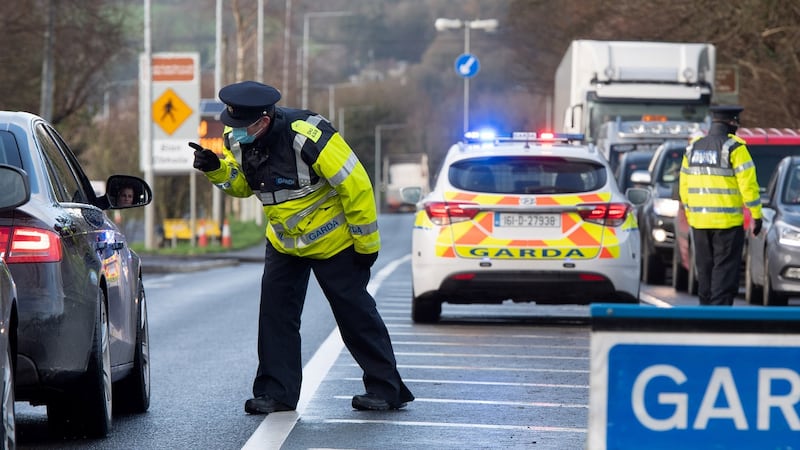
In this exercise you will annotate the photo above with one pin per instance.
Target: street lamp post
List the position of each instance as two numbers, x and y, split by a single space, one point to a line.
488 25
377 182
306 18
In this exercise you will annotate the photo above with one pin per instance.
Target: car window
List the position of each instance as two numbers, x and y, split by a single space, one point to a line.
527 175
9 151
63 179
791 190
767 157
630 163
671 167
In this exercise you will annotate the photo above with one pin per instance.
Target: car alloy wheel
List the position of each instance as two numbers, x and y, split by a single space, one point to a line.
753 293
8 429
86 410
132 394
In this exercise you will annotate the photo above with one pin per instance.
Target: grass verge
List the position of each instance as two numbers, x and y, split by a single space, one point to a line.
243 235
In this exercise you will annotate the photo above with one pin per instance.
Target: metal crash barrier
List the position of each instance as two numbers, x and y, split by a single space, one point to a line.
694 377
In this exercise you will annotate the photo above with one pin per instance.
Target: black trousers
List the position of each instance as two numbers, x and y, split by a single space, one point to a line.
283 293
718 255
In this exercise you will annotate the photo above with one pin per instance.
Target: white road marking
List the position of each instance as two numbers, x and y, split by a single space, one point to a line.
488 383
488 402
460 425
647 298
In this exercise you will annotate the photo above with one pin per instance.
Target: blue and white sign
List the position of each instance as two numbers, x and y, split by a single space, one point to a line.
467 65
694 390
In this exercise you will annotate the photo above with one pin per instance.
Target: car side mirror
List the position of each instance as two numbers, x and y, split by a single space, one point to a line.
641 177
637 196
15 188
411 194
125 191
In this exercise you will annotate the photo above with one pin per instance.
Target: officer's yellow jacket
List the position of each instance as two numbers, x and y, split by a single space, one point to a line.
317 197
718 179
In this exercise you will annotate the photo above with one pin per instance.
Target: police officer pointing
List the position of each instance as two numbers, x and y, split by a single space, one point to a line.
321 216
718 179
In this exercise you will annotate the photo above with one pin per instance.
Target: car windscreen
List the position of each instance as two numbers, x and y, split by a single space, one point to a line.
527 175
791 188
670 168
767 157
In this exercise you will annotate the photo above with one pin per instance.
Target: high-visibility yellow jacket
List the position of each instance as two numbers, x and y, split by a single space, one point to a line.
317 197
718 179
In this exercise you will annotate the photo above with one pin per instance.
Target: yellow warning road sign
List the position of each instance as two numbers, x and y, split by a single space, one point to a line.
169 111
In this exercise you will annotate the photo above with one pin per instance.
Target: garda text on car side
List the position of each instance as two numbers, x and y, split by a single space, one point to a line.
528 218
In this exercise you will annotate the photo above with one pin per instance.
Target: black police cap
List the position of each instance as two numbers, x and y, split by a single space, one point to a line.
726 112
246 102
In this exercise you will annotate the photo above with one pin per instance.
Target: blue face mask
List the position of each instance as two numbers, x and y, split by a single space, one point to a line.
241 136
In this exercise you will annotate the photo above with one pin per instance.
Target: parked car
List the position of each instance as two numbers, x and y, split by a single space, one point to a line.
525 218
82 316
14 191
772 268
657 215
767 147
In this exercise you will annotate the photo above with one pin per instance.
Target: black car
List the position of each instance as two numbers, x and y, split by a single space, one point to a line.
14 191
772 262
630 163
82 317
657 216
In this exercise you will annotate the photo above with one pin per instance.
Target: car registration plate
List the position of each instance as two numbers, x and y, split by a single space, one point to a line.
527 220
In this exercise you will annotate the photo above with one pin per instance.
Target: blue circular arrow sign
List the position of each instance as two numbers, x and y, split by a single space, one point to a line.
467 65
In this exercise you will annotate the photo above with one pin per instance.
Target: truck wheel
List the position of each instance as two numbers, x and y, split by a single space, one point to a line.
679 274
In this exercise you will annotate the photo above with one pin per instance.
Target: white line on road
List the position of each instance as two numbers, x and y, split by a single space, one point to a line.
489 402
276 427
460 425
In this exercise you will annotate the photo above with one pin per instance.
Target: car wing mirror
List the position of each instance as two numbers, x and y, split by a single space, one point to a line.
15 188
637 196
641 177
125 191
411 194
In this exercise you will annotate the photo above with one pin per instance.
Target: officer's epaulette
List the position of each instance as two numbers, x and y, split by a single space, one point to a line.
737 139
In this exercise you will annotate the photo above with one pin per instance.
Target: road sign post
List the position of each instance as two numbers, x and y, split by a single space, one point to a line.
694 377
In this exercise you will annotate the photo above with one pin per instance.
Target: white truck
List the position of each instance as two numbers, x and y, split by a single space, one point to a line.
617 137
603 81
400 171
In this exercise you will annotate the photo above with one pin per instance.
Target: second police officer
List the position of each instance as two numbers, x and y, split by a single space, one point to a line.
718 180
321 217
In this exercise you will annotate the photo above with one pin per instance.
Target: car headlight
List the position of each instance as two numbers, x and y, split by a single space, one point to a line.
788 234
665 207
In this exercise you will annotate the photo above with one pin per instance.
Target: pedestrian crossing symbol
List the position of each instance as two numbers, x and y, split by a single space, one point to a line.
169 111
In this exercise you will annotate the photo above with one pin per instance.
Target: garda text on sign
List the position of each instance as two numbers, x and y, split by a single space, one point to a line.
694 389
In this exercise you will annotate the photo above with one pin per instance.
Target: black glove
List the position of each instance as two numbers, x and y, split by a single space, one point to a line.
366 259
204 159
756 226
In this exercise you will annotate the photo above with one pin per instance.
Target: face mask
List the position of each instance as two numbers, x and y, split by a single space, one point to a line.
241 136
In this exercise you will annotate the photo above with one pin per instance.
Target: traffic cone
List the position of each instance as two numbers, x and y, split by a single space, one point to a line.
202 239
226 234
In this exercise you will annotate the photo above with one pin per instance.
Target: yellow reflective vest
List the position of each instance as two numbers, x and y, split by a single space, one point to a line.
718 179
317 196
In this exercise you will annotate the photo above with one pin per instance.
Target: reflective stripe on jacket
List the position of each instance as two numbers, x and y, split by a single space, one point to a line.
718 179
317 196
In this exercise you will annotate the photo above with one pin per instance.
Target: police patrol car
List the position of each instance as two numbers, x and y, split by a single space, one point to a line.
528 218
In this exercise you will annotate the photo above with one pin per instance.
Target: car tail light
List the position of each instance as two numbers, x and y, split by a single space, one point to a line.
609 214
445 213
29 245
